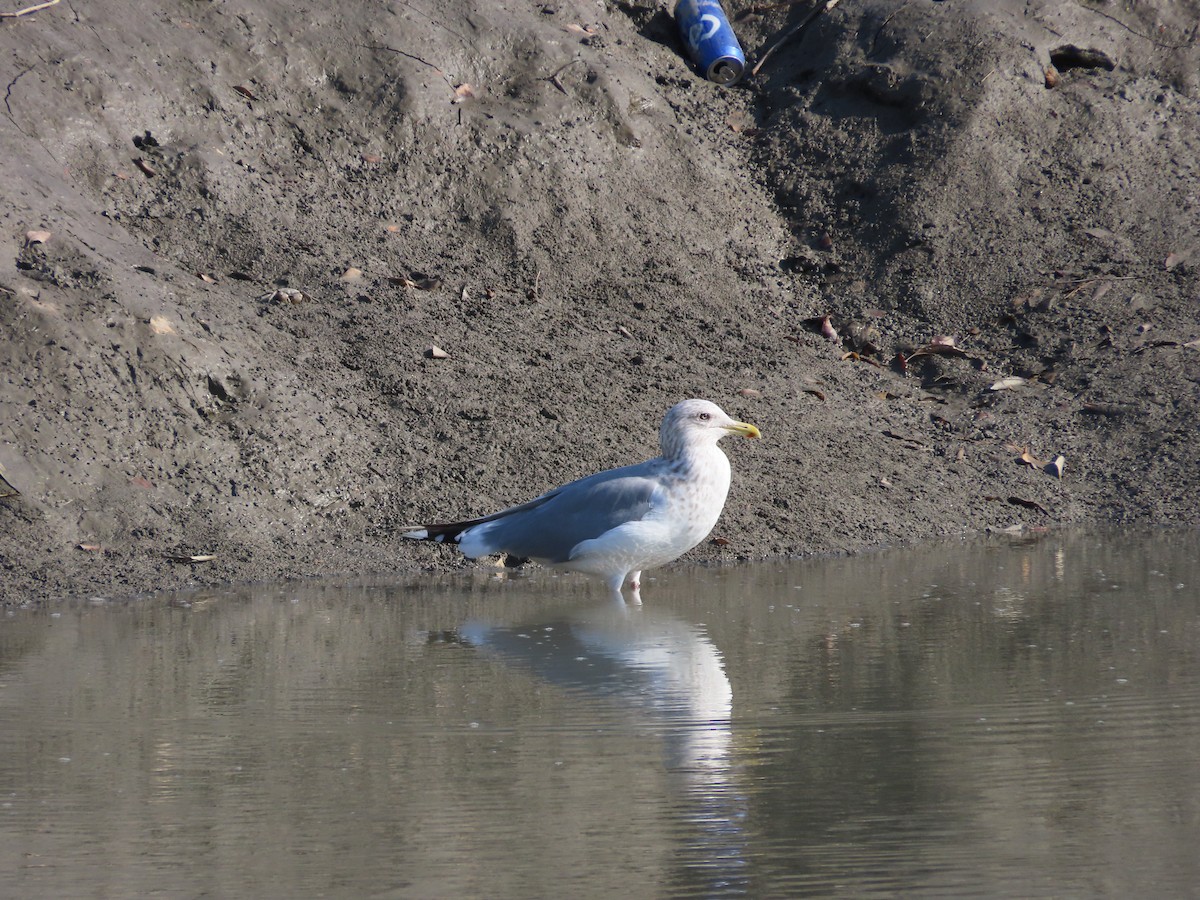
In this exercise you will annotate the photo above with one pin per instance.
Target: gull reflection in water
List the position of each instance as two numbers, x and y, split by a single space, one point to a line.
667 675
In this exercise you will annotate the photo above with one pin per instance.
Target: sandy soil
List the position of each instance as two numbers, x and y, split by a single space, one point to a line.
258 217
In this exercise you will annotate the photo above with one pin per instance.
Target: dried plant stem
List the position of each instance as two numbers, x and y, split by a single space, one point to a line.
792 32
27 10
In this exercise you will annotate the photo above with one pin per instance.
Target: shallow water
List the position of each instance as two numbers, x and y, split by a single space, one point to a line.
1007 719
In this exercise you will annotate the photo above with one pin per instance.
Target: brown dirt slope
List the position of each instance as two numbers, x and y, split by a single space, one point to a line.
591 232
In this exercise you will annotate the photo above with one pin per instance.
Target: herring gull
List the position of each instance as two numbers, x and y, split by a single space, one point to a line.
616 523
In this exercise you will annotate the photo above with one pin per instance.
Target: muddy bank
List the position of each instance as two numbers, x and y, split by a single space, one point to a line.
261 216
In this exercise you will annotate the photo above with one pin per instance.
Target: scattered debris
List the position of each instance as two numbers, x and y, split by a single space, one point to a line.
1024 456
940 345
193 558
1052 77
27 10
436 352
351 274
6 489
863 337
245 91
858 357
738 121
463 93
1028 504
284 295
624 332
420 282
161 325
147 169
1112 410
1055 466
829 332
750 393
912 442
36 237
1174 259
553 77
1011 383
825 7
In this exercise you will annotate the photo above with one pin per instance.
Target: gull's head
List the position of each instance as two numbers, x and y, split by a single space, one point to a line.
692 423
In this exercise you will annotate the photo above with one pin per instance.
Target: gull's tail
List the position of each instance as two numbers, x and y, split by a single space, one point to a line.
449 532
476 546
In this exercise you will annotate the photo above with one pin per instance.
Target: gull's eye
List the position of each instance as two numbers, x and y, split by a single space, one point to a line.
703 417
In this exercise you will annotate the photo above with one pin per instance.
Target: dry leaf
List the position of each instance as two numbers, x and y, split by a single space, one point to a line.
391 228
147 169
1030 460
436 352
463 92
579 29
940 346
36 237
6 489
1028 504
737 122
750 392
352 274
1056 467
624 332
139 481
161 325
1193 345
372 158
207 279
1052 77
91 548
1008 384
245 91
194 558
1174 259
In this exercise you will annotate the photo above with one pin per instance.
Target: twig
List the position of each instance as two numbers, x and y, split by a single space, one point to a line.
884 24
27 10
791 33
412 56
1160 44
553 78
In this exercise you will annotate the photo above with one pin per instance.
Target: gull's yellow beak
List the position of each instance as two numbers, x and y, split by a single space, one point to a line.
745 429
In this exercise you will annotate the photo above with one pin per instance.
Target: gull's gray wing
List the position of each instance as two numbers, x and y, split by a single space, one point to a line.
548 527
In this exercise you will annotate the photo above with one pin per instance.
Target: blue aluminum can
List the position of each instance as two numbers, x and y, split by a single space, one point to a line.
710 40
